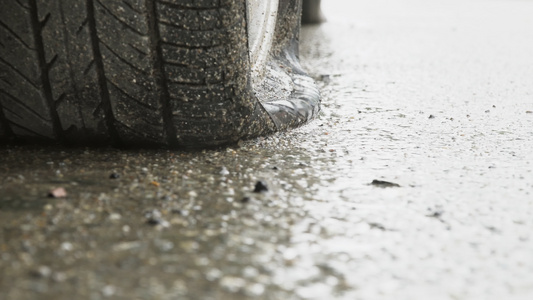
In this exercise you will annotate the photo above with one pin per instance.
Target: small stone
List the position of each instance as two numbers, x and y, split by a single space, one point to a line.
182 212
66 246
159 222
374 225
42 271
154 217
383 184
224 171
114 176
260 187
108 290
436 214
114 217
431 117
57 193
325 78
246 199
155 183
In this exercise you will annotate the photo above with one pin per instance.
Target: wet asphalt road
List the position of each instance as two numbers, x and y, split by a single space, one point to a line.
433 96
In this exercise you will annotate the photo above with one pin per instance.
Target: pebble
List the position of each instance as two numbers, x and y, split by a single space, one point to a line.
383 184
57 193
260 186
108 290
154 217
126 246
155 183
66 246
43 271
114 216
114 176
224 171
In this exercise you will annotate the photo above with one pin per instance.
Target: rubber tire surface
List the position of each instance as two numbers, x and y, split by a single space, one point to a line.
172 72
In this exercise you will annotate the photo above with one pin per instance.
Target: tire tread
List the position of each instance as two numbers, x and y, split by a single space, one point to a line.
133 71
23 96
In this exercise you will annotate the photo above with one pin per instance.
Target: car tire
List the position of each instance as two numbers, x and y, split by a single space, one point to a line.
175 73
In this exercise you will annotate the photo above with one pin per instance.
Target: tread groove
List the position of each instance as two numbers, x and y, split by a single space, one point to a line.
175 64
134 131
159 73
13 124
88 69
83 24
123 59
15 35
129 96
190 84
184 28
97 109
18 72
22 5
51 63
184 7
138 50
60 99
120 20
197 86
45 20
102 81
21 103
191 47
43 67
131 7
6 81
13 112
5 123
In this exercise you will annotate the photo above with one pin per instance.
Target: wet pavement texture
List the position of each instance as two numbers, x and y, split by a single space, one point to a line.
415 181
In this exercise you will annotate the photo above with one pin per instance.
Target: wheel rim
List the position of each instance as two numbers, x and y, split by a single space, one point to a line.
262 16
